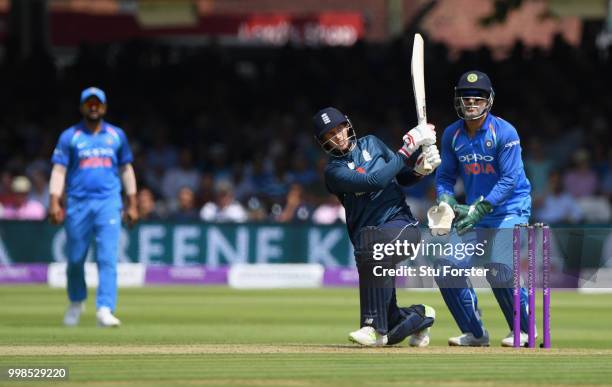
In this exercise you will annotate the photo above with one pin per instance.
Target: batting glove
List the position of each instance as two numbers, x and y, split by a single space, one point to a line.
431 156
423 134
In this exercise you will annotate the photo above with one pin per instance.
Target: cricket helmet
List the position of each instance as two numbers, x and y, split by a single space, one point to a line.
326 120
473 85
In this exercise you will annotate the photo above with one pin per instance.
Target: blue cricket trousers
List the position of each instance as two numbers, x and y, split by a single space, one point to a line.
87 219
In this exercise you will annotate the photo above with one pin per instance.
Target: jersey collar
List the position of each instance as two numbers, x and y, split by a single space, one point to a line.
486 125
85 129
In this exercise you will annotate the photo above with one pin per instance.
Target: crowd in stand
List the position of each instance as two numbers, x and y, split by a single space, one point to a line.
223 134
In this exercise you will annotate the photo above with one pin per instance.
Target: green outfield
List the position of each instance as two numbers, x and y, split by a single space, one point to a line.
220 336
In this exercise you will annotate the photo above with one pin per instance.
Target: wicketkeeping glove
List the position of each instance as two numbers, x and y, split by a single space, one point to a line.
440 219
470 215
449 199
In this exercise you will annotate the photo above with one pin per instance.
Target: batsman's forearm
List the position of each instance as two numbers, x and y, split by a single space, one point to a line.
57 181
128 178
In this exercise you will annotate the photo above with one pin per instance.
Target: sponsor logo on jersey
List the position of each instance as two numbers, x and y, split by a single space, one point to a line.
512 143
476 164
96 162
475 157
96 158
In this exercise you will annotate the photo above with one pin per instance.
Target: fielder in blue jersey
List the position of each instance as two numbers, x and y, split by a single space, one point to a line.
92 159
366 175
485 151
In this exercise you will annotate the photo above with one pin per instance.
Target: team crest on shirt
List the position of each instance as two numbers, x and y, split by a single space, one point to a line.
366 155
351 165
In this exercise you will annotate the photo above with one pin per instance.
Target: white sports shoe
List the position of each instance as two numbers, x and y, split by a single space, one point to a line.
368 336
420 339
468 340
73 314
508 341
106 319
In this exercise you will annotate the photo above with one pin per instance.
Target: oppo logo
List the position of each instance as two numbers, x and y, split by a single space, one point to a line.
475 157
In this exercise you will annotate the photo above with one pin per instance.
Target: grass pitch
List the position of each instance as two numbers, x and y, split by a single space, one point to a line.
220 336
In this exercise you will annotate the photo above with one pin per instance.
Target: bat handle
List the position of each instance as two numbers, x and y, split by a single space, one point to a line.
426 166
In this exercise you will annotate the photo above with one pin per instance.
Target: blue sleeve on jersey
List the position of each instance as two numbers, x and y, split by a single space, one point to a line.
405 177
61 153
446 174
510 166
342 179
387 153
124 153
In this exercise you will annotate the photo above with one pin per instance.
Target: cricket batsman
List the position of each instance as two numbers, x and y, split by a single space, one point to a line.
365 175
485 151
92 159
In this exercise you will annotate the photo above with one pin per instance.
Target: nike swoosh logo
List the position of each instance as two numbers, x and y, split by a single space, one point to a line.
459 147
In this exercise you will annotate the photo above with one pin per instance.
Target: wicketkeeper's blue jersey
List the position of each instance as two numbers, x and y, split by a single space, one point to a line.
365 182
490 165
92 160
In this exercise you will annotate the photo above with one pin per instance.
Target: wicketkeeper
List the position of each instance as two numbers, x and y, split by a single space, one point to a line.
485 151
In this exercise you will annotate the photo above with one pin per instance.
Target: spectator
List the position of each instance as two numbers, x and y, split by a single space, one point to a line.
225 208
162 155
186 209
256 210
147 206
186 175
606 185
40 185
23 208
206 190
581 180
301 172
296 208
6 193
555 205
538 167
329 212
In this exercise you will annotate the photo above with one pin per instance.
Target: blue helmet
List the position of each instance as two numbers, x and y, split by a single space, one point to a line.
473 85
326 120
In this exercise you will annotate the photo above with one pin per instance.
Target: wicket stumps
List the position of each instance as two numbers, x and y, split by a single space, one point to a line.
531 282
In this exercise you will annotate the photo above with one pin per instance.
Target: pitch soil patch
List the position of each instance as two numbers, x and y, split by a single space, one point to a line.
80 349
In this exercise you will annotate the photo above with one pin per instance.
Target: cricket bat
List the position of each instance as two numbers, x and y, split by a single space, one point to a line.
418 84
